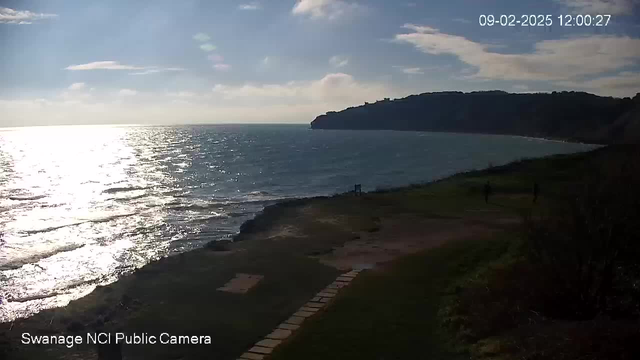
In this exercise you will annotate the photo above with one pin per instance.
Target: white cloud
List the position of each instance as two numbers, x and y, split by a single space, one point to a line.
77 86
127 92
216 58
250 6
626 83
114 65
222 67
327 9
338 61
201 37
103 65
413 70
610 7
23 17
295 102
561 59
337 87
182 94
207 47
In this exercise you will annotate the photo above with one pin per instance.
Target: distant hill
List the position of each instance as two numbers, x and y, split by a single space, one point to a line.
573 116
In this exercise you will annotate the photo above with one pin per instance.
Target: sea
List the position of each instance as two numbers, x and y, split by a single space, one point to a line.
81 206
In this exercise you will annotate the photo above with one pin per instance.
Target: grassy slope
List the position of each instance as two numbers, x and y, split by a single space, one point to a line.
393 313
397 312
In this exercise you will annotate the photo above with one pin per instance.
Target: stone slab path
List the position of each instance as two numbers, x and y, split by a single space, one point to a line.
264 347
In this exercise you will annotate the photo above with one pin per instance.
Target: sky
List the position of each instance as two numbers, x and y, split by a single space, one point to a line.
65 62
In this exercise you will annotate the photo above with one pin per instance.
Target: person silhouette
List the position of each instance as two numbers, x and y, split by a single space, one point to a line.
487 191
536 191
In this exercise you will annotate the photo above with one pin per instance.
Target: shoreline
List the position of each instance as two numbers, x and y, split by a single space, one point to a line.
549 139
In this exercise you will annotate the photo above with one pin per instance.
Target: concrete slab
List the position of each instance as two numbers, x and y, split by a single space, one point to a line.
314 305
241 283
325 294
295 320
304 308
288 326
279 334
261 350
304 314
270 343
251 356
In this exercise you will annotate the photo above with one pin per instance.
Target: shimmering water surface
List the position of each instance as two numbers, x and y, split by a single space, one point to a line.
80 206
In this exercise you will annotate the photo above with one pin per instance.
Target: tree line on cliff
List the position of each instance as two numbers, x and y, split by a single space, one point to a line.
572 116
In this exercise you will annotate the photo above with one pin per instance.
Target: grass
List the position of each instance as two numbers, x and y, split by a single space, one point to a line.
393 313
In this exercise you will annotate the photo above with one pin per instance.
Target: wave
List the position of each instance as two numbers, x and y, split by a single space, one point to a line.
51 228
132 198
109 218
125 189
27 198
95 221
217 204
18 263
259 193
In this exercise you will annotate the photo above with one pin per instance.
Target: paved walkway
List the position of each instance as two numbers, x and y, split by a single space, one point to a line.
264 347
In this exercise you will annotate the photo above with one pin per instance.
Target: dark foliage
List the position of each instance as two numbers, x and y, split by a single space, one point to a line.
574 290
561 115
590 246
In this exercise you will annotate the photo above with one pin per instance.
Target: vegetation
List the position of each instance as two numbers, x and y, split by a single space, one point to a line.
574 293
560 115
392 313
563 284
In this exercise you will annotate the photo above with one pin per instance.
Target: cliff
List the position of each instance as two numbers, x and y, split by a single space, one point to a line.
574 116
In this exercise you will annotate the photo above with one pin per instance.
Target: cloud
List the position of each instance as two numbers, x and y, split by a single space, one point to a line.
216 58
611 7
22 17
114 65
103 65
127 92
250 6
413 71
562 59
338 61
327 9
201 37
336 88
77 86
625 83
182 94
207 47
222 67
294 102
155 70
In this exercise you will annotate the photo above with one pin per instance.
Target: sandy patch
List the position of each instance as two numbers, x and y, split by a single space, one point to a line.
399 237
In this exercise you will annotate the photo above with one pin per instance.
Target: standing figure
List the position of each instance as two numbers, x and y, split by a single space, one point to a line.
536 191
487 191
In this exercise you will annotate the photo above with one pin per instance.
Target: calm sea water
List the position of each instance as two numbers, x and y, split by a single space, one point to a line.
80 206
